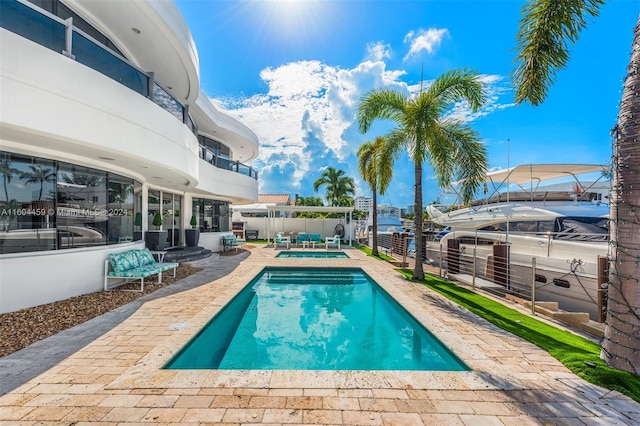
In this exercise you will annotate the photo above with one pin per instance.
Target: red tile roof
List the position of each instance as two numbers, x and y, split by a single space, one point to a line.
275 198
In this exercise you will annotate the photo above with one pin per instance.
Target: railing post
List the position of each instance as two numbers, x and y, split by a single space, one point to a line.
185 114
473 280
440 263
150 83
533 286
404 250
68 38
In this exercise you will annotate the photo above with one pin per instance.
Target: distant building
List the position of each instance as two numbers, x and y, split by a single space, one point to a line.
363 203
408 210
279 199
259 209
390 211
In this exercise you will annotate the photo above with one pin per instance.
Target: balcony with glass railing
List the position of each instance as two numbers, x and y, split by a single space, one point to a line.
225 163
60 35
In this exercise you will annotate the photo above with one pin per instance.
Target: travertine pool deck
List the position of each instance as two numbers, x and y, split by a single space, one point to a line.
117 378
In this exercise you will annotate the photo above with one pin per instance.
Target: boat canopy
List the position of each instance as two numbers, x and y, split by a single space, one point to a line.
526 173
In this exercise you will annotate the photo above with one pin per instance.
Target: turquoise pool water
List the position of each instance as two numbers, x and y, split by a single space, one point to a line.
314 319
313 254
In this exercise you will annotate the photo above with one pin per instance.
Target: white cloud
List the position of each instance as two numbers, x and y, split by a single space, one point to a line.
378 51
425 40
306 122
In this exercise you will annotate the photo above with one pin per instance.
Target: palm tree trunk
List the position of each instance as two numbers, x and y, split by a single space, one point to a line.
374 224
418 272
621 345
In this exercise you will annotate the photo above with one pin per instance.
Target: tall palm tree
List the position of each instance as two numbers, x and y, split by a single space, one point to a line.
336 184
546 29
7 174
426 132
377 176
39 174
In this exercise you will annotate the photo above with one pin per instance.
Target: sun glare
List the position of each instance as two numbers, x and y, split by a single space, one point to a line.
294 18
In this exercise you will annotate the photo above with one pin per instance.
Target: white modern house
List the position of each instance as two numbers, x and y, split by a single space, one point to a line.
104 128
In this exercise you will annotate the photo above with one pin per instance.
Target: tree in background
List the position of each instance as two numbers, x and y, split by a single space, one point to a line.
8 171
308 201
427 133
39 174
377 176
547 28
336 185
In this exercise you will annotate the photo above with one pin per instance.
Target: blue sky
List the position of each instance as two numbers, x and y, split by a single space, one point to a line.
294 71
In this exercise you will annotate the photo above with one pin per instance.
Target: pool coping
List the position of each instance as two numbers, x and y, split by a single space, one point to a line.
488 369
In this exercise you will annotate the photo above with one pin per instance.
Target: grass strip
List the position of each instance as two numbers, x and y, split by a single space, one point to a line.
578 354
368 251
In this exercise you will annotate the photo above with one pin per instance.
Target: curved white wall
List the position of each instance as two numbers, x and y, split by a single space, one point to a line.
30 279
72 108
239 188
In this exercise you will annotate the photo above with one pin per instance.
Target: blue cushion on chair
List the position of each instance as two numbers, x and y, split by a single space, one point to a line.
145 257
124 261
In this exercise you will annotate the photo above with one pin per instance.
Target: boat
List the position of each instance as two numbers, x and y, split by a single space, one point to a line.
526 230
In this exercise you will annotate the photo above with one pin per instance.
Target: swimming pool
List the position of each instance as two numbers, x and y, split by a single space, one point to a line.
314 319
313 255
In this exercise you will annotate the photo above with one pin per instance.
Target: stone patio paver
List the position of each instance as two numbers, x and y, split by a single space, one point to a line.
118 378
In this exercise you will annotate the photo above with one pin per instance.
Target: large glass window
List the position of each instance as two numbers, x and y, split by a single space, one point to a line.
164 214
82 206
23 20
217 148
48 205
120 208
171 217
211 215
27 209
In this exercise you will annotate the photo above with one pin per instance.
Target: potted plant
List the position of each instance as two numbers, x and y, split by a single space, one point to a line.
137 222
156 240
192 236
157 220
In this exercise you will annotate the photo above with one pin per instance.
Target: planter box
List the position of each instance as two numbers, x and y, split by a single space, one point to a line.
192 237
156 240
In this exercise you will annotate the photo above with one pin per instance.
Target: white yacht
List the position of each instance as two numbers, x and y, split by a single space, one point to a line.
564 226
106 138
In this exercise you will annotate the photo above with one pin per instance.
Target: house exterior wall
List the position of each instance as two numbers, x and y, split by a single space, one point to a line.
55 108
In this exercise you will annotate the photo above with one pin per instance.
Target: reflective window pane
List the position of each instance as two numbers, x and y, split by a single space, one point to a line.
211 215
27 209
83 218
30 24
120 209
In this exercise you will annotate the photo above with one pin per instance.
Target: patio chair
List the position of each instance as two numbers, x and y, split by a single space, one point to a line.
335 240
302 239
314 239
279 239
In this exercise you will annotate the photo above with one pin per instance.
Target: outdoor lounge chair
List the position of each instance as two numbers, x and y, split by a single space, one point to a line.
302 239
335 240
313 240
279 239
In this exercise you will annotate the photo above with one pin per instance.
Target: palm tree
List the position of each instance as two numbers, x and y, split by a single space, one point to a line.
39 174
427 134
336 184
7 174
546 29
377 176
309 201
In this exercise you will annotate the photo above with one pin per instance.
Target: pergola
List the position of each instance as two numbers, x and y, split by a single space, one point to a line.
271 212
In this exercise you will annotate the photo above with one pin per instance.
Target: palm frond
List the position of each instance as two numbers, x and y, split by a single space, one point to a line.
547 29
